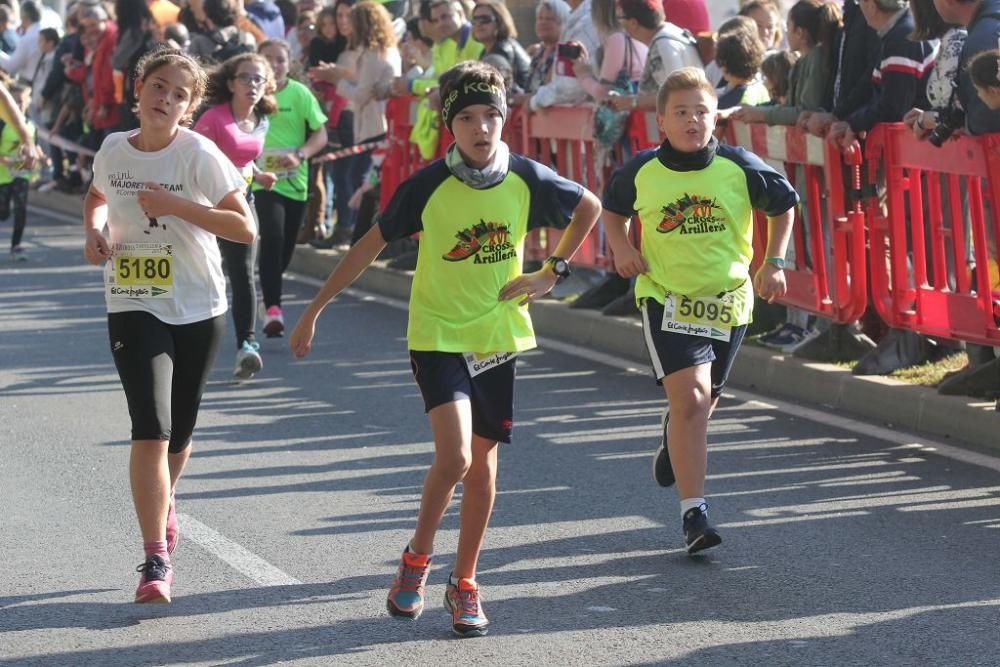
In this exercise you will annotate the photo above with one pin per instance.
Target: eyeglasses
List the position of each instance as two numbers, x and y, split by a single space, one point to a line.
251 79
483 19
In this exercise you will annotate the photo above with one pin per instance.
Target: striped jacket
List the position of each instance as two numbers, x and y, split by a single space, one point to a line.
899 79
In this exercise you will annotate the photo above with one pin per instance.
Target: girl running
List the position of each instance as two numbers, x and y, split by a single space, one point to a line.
165 194
296 132
240 91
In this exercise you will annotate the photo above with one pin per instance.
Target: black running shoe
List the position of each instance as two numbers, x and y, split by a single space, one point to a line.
663 472
698 533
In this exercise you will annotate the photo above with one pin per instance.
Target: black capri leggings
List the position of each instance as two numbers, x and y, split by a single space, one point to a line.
163 370
280 219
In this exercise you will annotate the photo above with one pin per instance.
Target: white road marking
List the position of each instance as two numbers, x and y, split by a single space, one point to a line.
236 556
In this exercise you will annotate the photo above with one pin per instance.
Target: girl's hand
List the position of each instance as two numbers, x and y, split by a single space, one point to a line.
749 114
300 341
96 249
629 262
265 179
769 283
529 286
155 201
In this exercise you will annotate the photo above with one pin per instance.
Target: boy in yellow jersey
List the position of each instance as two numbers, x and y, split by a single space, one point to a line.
468 316
695 200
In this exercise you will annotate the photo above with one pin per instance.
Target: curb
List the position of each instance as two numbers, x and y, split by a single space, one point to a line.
880 400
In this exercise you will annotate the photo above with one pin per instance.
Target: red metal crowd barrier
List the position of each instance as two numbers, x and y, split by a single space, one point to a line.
920 235
828 277
925 222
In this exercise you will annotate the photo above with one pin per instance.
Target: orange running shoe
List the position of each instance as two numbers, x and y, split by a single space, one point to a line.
464 603
406 597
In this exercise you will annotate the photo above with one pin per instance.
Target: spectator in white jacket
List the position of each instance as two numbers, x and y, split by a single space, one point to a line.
670 48
24 61
565 87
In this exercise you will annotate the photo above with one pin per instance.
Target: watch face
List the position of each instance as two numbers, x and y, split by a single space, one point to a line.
561 267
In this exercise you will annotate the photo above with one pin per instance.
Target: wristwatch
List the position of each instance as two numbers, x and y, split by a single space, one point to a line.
559 265
300 155
777 261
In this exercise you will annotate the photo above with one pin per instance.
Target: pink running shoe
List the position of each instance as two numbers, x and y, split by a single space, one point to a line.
274 322
406 596
173 531
154 584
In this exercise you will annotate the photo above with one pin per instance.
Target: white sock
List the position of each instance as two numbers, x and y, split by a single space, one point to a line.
691 503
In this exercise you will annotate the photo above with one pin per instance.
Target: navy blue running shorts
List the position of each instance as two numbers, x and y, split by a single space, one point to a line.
671 352
444 377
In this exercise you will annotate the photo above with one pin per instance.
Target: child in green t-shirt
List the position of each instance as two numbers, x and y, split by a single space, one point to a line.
13 177
695 201
468 317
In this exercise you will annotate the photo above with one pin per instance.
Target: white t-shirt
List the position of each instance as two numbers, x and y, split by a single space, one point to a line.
191 167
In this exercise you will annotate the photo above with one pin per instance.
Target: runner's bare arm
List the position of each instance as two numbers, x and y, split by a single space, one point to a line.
629 262
531 286
96 249
769 283
352 265
230 219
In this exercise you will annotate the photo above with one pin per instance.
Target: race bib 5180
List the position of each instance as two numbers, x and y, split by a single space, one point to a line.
141 270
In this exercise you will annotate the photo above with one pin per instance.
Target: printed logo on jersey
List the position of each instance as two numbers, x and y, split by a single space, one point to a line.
487 242
692 214
125 185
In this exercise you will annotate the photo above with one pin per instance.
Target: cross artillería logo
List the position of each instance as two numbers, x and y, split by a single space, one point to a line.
692 214
488 242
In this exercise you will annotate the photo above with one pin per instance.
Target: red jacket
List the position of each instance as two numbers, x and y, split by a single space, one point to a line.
101 92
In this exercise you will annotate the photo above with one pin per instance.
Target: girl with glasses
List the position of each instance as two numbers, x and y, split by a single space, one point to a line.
240 95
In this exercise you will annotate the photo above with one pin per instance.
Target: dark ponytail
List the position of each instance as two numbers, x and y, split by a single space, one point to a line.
822 21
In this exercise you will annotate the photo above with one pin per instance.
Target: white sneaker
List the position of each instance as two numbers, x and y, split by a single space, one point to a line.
248 361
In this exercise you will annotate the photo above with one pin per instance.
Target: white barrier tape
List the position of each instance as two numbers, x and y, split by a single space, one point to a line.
64 143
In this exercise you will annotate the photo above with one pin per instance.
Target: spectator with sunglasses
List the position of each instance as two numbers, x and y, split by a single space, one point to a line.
493 26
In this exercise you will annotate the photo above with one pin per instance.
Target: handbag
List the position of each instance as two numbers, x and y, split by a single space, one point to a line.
609 125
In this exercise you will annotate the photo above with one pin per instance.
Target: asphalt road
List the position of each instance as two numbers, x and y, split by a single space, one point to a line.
841 548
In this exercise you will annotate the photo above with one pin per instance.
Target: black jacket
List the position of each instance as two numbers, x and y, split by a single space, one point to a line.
900 79
983 32
518 58
857 49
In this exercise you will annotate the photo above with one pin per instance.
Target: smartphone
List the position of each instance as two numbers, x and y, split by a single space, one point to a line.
569 50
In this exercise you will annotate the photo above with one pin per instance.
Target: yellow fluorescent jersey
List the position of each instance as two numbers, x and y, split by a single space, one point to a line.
471 245
696 214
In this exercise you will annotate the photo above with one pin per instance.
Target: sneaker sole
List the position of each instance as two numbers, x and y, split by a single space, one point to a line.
249 366
274 329
663 472
706 541
396 612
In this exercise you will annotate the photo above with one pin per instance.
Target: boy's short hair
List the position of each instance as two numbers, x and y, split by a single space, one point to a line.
470 72
50 35
984 69
740 54
684 78
648 13
776 67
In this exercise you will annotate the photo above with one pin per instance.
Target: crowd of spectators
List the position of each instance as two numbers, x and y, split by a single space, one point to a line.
835 68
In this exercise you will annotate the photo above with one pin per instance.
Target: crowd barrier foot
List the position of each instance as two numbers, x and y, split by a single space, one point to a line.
900 348
405 261
603 293
623 306
982 381
839 343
